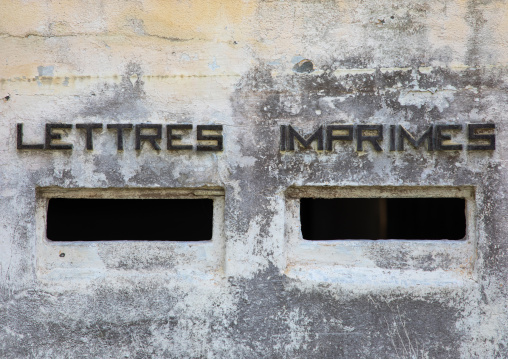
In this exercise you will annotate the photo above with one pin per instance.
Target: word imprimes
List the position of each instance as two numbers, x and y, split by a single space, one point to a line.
480 136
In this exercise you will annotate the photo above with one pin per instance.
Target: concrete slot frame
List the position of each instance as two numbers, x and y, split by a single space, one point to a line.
382 261
80 259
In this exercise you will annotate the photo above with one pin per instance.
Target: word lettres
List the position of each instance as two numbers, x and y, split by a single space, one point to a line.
480 136
209 137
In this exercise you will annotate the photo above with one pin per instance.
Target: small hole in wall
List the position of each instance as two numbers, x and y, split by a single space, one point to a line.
383 218
304 66
79 219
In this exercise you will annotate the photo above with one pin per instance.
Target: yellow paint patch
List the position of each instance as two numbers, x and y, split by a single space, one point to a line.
186 20
20 18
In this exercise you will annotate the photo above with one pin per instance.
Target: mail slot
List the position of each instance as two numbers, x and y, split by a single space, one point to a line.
85 219
359 226
81 231
383 218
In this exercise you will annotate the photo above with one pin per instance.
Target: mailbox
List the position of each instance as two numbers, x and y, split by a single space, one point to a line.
253 179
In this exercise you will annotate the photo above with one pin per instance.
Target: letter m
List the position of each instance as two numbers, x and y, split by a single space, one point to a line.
415 142
306 143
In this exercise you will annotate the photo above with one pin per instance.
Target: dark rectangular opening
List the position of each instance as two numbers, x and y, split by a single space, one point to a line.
70 219
383 218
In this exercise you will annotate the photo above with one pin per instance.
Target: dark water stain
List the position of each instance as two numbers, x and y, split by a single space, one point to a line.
119 101
272 314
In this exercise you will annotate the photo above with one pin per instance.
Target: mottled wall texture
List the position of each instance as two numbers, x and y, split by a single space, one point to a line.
257 289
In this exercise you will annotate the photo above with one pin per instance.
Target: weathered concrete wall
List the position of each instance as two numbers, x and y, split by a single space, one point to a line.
257 291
